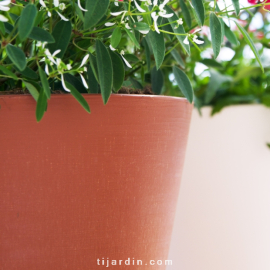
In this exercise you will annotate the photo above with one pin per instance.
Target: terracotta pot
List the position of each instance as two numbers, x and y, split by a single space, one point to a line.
79 187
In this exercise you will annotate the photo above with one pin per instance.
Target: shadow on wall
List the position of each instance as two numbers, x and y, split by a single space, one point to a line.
223 214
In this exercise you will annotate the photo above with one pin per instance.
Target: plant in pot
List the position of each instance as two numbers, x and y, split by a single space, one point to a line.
82 191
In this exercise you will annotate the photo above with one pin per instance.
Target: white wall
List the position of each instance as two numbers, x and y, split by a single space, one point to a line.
223 214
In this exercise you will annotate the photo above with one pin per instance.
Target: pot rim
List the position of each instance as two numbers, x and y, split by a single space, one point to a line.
99 95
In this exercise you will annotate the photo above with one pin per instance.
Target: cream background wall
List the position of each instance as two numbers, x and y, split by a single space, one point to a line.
223 214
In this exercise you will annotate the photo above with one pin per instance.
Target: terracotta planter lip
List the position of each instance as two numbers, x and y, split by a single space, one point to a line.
85 95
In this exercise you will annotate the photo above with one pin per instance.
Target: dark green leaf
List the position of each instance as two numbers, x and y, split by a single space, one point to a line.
27 20
216 32
32 89
41 35
236 6
157 80
76 82
158 46
2 28
44 82
118 70
17 56
147 53
211 63
92 82
183 83
135 84
105 70
8 72
178 58
199 9
178 29
28 73
185 12
116 37
131 58
8 27
41 105
133 38
96 9
93 63
61 34
39 17
78 96
79 12
230 35
250 43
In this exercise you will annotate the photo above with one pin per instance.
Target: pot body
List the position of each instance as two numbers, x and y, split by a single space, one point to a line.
82 191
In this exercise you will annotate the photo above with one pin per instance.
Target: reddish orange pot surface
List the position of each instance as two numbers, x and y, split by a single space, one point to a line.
78 190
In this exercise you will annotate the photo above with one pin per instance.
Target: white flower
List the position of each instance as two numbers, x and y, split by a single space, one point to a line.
69 67
83 80
109 24
162 13
138 7
56 4
4 4
112 48
126 62
63 83
4 7
84 60
179 22
196 40
79 5
62 6
118 13
186 40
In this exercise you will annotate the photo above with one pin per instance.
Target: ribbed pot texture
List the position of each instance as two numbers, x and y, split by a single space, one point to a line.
78 190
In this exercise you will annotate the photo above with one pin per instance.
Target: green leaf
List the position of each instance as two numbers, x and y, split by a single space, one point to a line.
32 89
178 58
158 46
96 9
199 9
40 34
79 12
157 80
92 82
216 80
140 26
147 53
44 82
61 34
133 38
250 43
93 63
178 29
135 83
2 28
183 83
76 82
28 73
39 17
17 56
116 37
211 63
230 35
78 96
8 72
216 33
185 12
266 100
27 21
118 70
41 105
222 29
236 6
105 70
